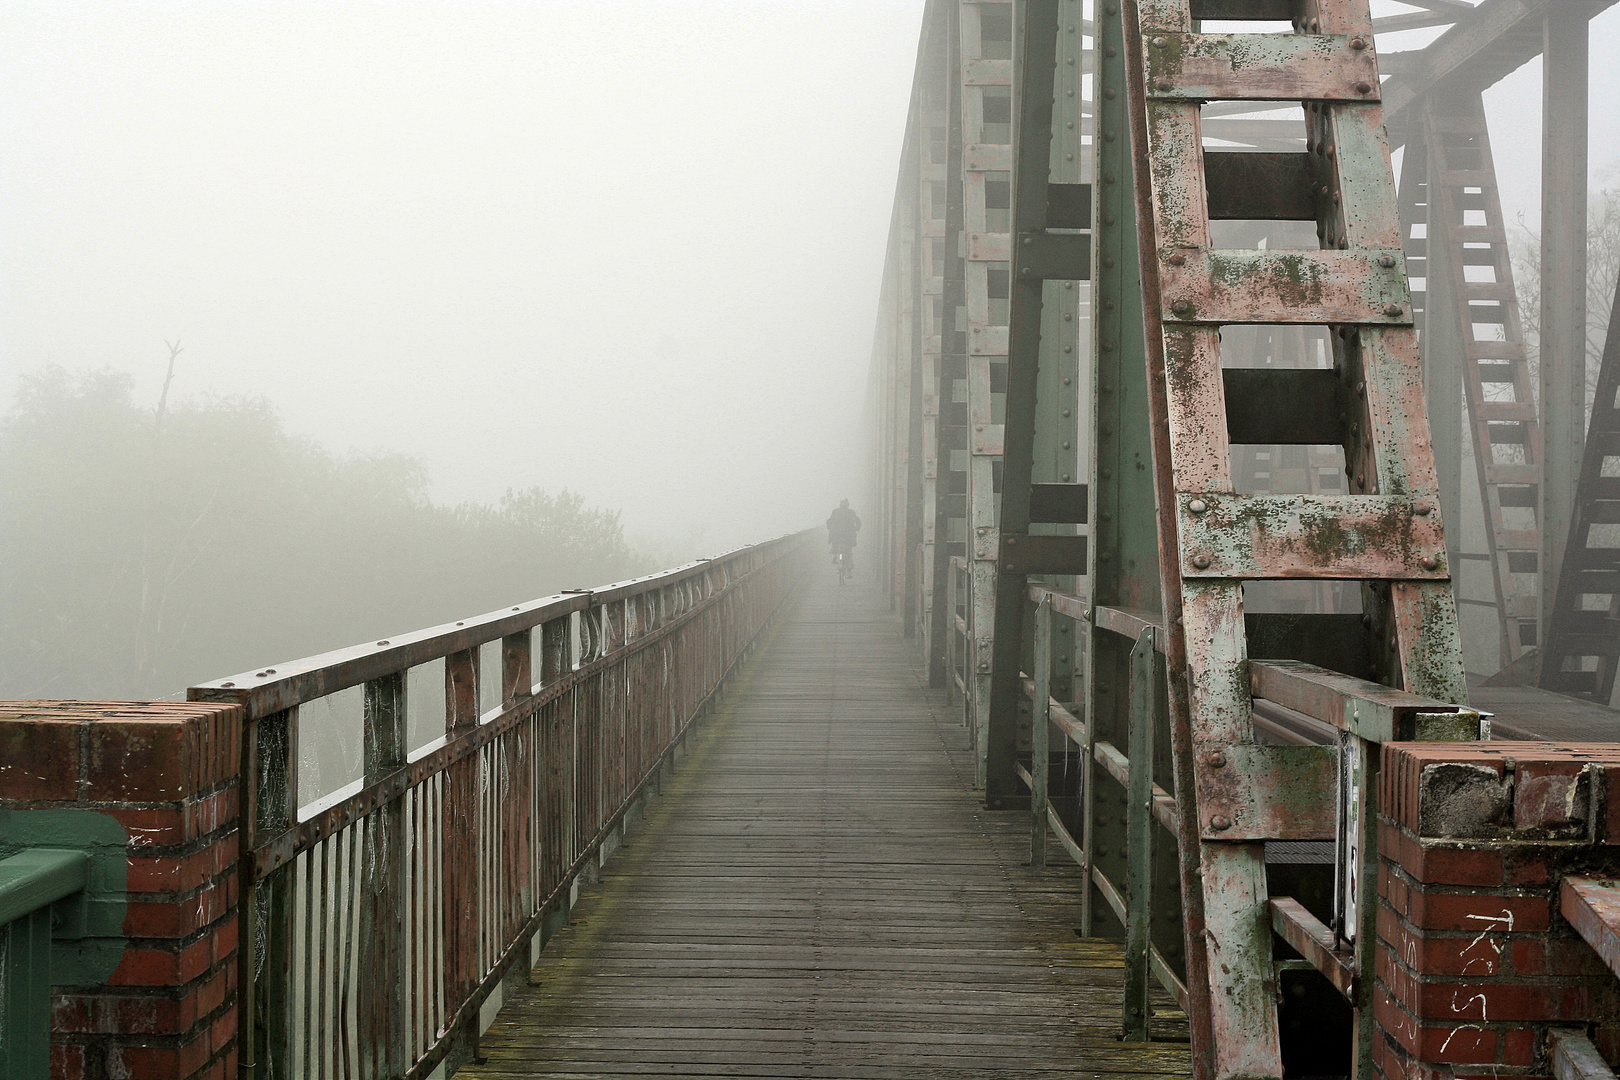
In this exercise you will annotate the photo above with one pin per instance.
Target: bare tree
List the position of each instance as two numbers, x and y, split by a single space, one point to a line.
1602 275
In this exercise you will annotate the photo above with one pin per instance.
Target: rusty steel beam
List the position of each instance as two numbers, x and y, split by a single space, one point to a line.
1563 277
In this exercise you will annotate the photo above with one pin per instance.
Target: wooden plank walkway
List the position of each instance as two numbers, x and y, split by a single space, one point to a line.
818 893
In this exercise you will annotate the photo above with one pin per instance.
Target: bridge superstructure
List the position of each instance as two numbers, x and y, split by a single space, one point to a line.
1244 556
1161 479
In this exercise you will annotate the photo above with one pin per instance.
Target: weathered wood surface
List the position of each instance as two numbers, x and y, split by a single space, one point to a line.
819 894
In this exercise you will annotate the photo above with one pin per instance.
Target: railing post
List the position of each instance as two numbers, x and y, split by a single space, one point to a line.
269 905
382 973
1040 730
457 831
1139 836
557 759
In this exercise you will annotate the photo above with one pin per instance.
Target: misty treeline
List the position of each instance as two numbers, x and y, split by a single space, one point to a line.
143 549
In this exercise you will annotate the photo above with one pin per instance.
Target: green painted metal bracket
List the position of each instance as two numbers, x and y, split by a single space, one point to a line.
62 878
87 933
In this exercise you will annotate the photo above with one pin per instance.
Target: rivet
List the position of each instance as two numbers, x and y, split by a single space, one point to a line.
1181 307
1423 509
1177 259
1363 87
227 684
1358 43
261 674
1217 760
1361 388
1159 43
1430 562
1028 240
1011 540
1387 261
269 671
1011 569
382 642
1220 823
1197 506
1201 561
1330 150
1161 84
1392 310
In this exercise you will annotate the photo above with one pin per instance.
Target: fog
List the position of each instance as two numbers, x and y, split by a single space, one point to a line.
420 255
628 249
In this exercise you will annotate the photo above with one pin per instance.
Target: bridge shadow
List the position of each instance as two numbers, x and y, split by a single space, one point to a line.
818 892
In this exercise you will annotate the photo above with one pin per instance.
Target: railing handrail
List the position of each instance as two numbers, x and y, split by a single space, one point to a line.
286 844
37 878
283 685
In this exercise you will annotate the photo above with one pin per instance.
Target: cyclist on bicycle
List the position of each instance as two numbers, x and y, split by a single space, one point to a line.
841 529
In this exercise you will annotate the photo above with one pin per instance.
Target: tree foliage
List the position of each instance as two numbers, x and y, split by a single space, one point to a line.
142 551
1602 277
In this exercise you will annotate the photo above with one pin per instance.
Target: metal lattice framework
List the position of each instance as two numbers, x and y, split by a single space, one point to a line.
1181 474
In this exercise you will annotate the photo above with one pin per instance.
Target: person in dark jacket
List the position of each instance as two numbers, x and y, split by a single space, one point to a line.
841 529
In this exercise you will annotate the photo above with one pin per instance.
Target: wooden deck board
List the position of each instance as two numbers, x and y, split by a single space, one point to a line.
818 893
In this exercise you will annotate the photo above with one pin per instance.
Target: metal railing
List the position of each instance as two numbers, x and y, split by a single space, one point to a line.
1325 725
31 882
379 920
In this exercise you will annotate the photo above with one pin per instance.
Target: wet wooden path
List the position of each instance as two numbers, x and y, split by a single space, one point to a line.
819 894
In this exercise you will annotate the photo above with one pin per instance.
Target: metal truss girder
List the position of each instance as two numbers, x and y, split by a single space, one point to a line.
1038 255
1357 287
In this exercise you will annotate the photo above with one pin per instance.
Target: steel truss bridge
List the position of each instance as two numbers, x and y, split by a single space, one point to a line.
1193 716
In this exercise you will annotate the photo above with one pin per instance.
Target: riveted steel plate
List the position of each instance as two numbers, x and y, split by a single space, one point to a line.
1251 792
1260 67
1379 537
1226 286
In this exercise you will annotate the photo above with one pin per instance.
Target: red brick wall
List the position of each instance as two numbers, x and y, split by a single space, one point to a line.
166 772
1475 964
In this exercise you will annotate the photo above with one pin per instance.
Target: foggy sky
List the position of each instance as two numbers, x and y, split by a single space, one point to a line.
630 249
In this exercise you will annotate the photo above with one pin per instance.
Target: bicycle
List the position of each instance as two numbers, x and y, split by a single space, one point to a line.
844 562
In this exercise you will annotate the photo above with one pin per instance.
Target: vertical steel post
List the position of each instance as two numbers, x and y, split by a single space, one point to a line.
1563 277
1122 557
950 499
986 44
1040 730
1139 835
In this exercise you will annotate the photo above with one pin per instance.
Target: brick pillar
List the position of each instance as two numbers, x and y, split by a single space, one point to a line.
148 992
1475 965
